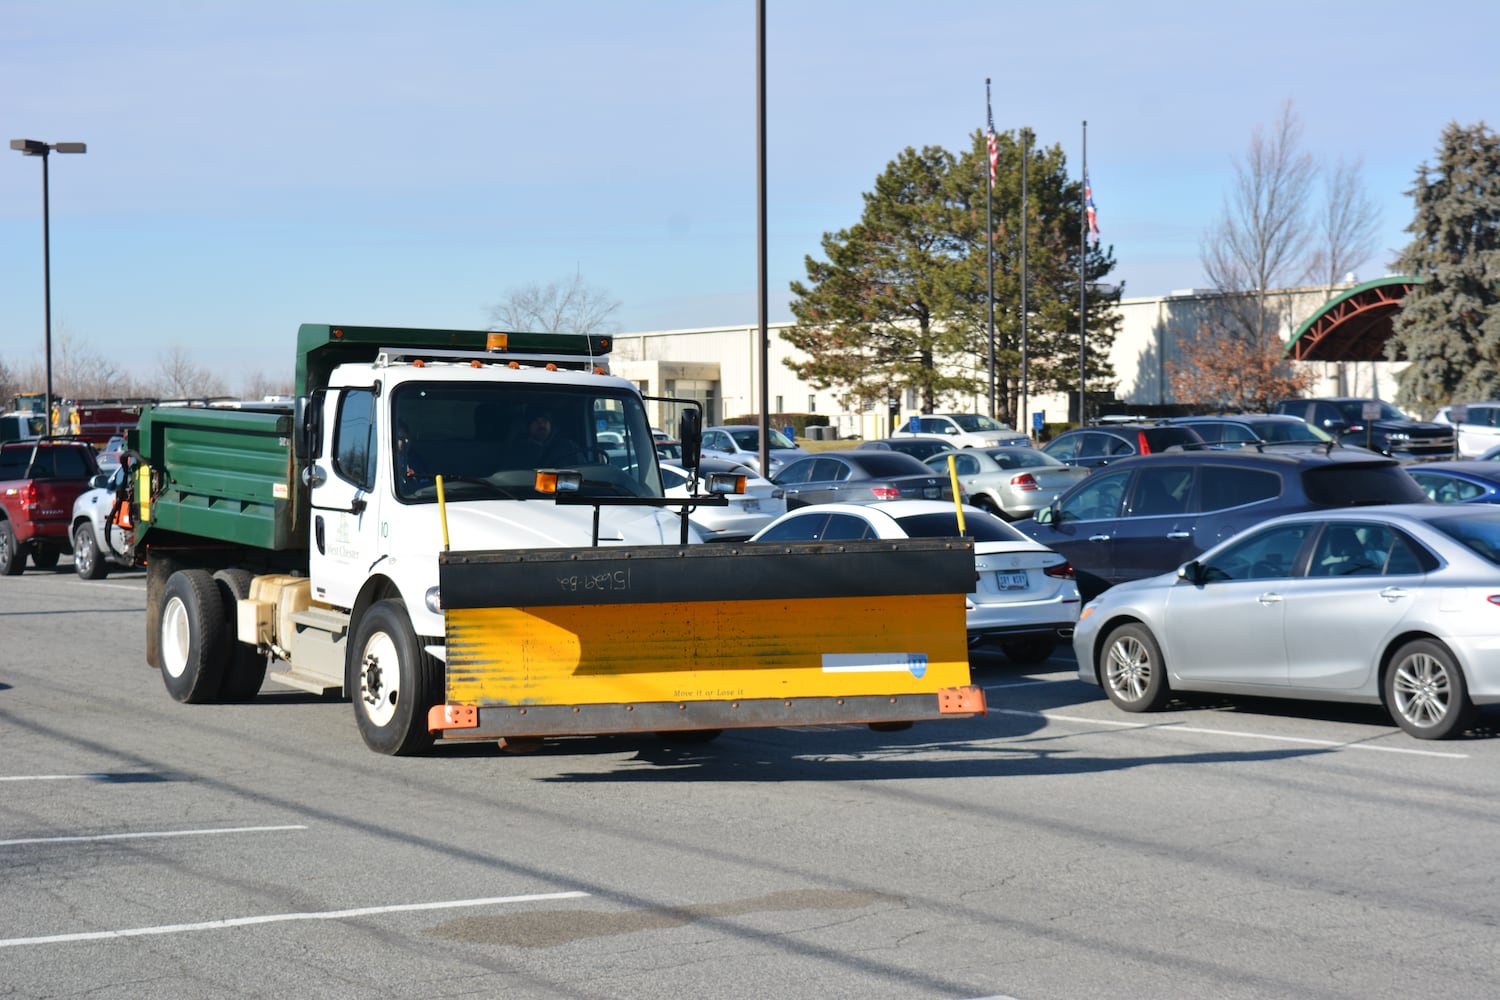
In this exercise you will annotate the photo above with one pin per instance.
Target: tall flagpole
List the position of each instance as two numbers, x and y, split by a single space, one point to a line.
1025 225
1083 236
989 225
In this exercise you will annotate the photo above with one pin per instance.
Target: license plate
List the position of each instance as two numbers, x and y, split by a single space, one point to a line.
750 505
1010 581
930 492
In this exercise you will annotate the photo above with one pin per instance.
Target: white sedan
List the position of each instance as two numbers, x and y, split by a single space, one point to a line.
746 513
1026 598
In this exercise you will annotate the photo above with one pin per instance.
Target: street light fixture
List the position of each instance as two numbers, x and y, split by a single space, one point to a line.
32 147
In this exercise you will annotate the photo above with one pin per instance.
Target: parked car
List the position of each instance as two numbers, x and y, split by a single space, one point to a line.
1471 481
1249 430
1025 598
741 443
1012 482
99 539
1392 433
1091 447
918 446
1477 431
20 426
39 480
1373 605
833 476
109 461
746 513
963 430
1147 515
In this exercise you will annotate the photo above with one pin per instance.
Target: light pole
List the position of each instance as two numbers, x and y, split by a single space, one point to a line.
33 147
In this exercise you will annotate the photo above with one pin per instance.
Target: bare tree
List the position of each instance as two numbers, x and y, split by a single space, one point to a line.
1262 239
9 384
181 378
1345 232
259 385
569 305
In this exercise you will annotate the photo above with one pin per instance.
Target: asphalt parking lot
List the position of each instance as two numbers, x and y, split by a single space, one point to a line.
1056 848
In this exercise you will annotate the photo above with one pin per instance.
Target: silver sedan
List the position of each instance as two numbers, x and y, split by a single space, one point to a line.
1395 605
1012 482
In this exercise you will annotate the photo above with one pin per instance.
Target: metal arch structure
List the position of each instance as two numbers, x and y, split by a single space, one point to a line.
1354 326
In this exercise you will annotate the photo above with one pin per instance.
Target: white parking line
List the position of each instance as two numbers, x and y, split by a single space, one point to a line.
148 834
273 918
1176 728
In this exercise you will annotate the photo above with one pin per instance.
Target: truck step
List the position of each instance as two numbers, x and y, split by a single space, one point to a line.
304 681
324 621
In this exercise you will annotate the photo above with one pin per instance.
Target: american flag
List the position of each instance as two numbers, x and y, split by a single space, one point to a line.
1088 207
993 147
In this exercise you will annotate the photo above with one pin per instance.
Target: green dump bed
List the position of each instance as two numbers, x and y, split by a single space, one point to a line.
221 474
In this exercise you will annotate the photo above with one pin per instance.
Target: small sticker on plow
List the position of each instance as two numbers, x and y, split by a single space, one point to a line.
875 663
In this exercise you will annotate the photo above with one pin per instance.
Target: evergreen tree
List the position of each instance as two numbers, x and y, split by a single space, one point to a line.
1449 325
902 298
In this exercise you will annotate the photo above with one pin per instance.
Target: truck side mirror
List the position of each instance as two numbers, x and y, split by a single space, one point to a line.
690 433
308 432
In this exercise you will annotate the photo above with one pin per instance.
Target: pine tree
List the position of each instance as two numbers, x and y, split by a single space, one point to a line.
1449 325
902 299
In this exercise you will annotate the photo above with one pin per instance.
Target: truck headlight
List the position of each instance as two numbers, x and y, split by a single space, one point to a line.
434 600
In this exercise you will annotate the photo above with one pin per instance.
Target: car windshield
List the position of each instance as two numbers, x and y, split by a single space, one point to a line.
1281 431
1352 411
488 439
977 422
1479 534
1021 458
748 438
977 525
1344 485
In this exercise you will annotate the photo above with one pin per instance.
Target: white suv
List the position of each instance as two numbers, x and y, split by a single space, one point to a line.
963 430
1478 431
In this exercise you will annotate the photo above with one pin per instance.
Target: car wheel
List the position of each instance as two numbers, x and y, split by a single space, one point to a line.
12 559
87 562
1028 650
396 682
245 667
192 636
985 503
1132 670
45 556
1425 691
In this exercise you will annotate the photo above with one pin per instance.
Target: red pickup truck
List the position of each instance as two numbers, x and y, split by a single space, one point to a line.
39 480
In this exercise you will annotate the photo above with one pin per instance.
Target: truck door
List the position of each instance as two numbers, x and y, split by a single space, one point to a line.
345 510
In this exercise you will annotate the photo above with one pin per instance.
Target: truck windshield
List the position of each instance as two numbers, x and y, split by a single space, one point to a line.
488 440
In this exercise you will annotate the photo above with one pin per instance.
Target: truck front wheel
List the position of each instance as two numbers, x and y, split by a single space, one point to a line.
396 681
193 636
88 561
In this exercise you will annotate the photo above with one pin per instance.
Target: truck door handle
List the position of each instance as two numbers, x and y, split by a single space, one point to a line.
318 533
1098 538
1179 534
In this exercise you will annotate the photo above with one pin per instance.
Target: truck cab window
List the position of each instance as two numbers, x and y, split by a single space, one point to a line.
354 438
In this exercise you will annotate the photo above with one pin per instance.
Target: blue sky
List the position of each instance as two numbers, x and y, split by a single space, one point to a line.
253 166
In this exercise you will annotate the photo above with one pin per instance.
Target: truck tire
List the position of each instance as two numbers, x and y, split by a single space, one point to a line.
192 636
245 667
395 681
88 562
12 559
45 556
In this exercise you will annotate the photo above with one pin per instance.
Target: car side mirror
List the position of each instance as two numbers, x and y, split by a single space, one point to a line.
1047 515
1191 572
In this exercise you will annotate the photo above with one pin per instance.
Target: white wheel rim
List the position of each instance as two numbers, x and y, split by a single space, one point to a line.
1422 691
83 551
175 636
379 679
1128 669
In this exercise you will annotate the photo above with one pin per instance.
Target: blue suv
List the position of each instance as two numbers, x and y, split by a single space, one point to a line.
1142 516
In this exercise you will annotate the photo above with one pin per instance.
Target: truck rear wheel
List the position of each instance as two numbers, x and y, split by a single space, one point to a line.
395 681
12 559
245 666
192 636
